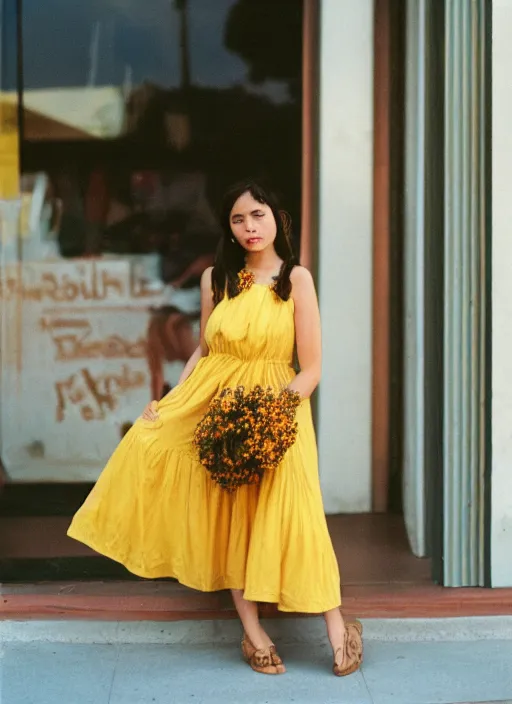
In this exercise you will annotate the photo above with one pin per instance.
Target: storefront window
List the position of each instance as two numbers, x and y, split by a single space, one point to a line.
135 118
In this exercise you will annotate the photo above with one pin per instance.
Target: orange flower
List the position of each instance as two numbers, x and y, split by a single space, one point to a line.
245 280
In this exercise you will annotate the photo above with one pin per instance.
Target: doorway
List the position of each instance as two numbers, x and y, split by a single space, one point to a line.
399 467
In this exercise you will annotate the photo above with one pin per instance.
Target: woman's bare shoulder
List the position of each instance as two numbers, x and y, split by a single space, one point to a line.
302 280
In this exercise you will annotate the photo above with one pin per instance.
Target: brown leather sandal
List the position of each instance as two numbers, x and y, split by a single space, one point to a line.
265 661
352 650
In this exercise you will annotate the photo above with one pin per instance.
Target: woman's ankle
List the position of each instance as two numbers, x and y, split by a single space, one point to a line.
260 638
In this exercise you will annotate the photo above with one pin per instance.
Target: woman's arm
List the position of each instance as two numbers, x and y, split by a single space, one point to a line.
206 310
307 332
190 365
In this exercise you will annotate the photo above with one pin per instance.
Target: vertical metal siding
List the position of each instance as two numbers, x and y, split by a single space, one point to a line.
464 293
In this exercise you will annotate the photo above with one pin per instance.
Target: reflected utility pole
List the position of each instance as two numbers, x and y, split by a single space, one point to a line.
182 7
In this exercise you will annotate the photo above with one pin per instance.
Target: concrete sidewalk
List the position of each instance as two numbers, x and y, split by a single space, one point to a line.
394 673
149 663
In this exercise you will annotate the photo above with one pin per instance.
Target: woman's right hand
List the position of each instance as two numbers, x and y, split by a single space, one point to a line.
151 412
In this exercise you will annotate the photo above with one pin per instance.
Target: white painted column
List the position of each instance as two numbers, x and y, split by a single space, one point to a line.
345 252
501 509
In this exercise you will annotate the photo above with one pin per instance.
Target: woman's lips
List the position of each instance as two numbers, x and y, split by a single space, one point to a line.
254 240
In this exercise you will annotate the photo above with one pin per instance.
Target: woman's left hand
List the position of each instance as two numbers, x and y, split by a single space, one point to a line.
151 412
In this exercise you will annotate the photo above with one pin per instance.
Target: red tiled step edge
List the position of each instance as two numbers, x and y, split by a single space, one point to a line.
128 601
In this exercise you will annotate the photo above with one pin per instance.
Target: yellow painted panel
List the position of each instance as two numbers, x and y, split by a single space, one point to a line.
9 151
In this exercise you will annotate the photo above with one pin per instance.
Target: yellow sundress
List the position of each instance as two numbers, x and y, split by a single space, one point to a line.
156 510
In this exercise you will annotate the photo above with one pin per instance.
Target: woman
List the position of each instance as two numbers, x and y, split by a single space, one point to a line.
155 508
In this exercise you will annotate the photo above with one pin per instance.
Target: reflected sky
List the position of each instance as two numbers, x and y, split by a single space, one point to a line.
113 42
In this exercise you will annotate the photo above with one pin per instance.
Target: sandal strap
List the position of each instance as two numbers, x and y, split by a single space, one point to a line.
276 660
262 658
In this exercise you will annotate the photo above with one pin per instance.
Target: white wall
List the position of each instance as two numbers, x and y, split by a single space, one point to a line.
345 252
501 547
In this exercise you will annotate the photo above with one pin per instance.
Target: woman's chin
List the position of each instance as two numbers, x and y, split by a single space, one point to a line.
255 247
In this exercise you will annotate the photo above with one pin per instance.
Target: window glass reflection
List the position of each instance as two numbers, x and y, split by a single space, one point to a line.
136 117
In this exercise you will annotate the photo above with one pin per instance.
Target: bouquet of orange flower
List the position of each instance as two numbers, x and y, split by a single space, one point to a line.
243 435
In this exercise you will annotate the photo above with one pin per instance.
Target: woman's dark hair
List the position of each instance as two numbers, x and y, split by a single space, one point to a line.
230 256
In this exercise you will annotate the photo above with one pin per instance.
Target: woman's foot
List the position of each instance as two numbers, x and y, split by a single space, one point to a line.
264 660
257 647
339 657
260 638
349 656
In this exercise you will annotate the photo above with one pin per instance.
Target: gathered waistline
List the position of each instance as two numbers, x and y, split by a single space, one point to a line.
265 360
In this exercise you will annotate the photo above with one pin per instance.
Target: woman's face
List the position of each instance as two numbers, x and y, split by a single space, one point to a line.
252 223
